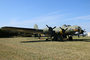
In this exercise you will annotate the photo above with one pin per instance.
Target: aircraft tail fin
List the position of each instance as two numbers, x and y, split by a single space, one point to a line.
35 26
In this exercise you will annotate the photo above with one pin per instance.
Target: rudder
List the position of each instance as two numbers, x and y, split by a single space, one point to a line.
35 26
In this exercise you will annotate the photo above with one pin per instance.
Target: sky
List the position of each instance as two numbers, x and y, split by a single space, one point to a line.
26 13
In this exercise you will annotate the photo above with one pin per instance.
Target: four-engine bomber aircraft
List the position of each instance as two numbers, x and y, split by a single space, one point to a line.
54 33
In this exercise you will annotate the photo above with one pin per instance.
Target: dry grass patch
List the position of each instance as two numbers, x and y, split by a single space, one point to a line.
29 48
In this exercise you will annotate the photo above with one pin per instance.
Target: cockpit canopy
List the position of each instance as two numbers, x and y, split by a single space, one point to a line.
66 25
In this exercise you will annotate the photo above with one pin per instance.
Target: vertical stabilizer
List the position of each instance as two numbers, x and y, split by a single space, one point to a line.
35 26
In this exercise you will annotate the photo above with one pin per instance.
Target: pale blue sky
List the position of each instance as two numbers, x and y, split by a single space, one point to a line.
26 13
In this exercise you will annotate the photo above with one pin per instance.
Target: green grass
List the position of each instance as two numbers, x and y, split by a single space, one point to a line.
29 48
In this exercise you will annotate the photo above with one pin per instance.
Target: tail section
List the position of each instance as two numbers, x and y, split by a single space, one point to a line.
35 26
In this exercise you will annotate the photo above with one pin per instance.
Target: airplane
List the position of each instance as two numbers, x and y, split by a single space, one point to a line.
54 33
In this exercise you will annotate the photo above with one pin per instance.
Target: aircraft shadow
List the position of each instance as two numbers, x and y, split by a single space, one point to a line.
85 40
34 41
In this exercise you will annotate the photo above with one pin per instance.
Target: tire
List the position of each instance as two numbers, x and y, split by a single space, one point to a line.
46 39
70 38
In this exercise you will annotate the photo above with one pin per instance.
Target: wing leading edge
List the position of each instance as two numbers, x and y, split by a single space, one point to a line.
27 30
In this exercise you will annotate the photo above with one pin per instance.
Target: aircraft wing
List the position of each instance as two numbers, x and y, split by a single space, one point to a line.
27 30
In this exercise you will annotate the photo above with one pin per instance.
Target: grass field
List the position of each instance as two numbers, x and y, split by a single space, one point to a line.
29 48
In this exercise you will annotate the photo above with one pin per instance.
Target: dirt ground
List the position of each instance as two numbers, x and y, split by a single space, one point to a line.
30 48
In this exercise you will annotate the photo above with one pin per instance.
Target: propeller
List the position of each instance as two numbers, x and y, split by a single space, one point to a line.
51 30
82 32
63 31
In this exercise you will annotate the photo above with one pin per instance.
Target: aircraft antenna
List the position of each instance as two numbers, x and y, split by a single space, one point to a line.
76 22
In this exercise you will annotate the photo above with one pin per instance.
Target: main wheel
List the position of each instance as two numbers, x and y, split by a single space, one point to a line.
46 39
55 38
70 38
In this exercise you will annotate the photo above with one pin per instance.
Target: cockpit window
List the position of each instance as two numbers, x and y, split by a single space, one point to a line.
66 25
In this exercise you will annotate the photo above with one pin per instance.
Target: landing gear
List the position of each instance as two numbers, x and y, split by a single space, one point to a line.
70 38
46 39
55 38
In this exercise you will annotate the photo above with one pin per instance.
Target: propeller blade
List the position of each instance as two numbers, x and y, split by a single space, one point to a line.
82 32
60 27
66 29
47 25
54 27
